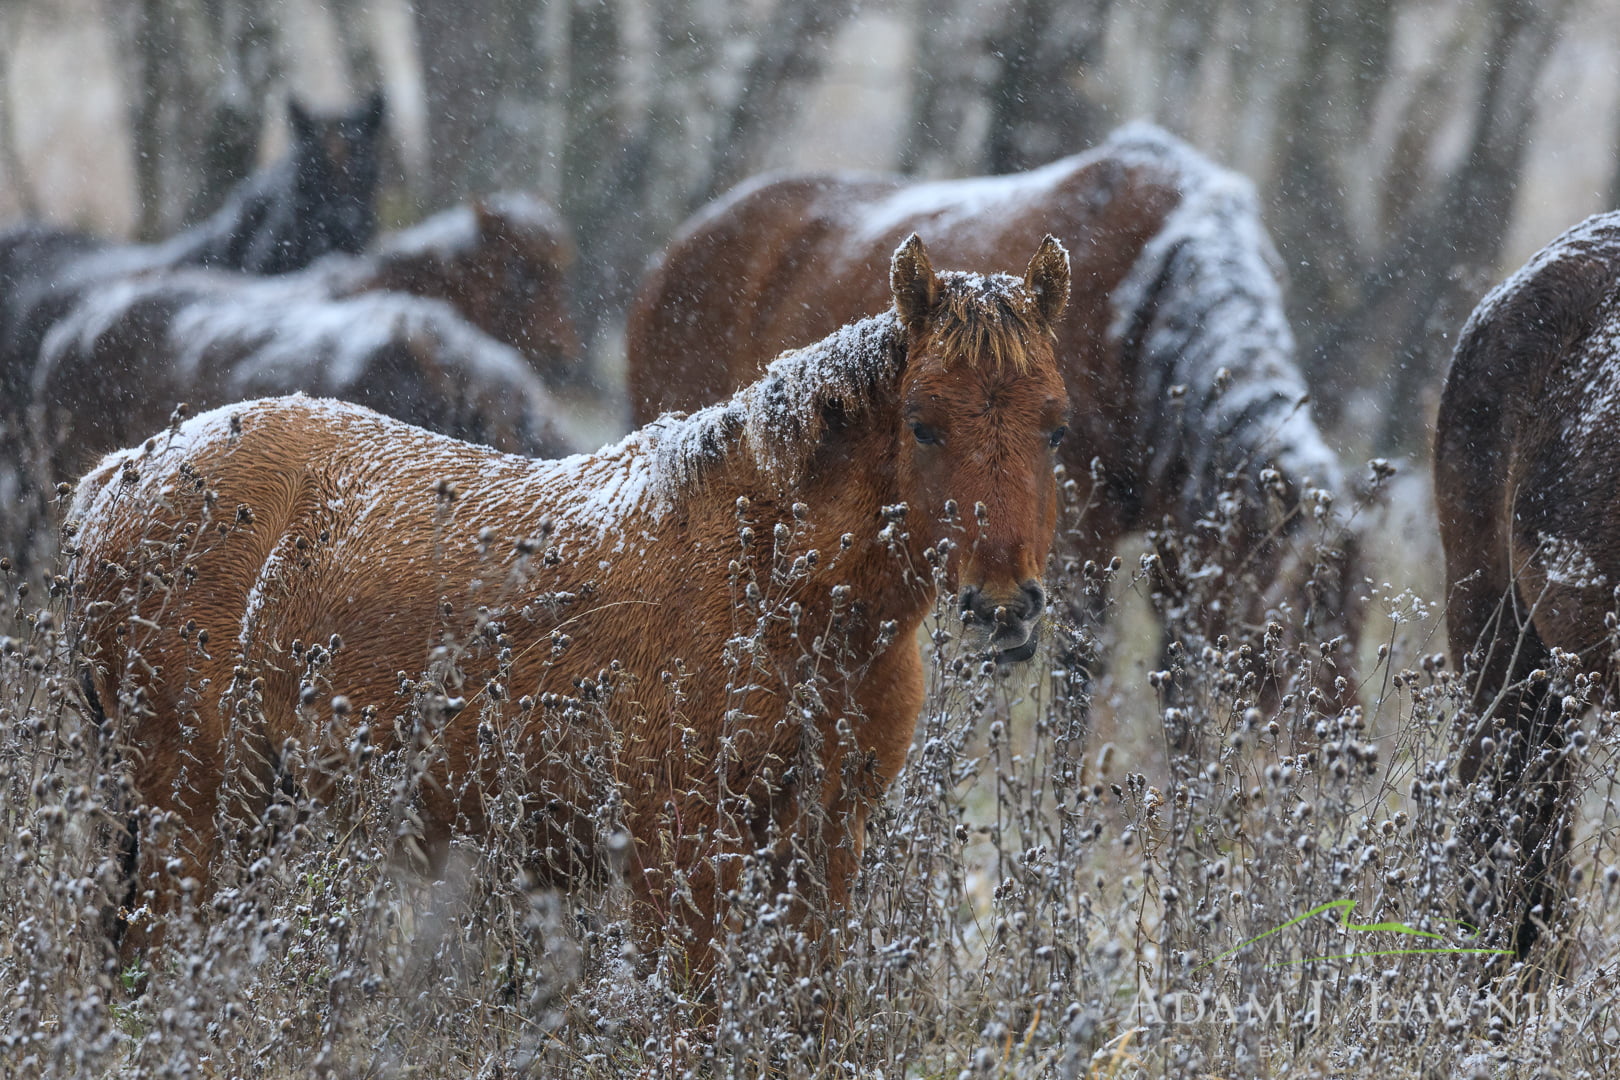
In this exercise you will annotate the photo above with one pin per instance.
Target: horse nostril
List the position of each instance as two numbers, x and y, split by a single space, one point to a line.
970 601
1023 606
1034 599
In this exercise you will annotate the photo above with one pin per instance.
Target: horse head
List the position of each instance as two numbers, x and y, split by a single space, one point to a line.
983 408
522 254
336 160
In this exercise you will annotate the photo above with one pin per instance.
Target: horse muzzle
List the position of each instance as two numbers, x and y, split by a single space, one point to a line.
1009 624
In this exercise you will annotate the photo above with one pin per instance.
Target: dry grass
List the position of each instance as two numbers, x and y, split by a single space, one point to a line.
1050 889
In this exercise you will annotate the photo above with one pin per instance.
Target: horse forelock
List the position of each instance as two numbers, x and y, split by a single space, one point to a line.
989 321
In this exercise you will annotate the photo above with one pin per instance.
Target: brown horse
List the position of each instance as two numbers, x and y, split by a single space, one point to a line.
501 262
716 615
1527 482
1177 355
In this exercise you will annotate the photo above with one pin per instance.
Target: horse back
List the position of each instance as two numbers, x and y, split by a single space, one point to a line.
1524 461
781 262
267 521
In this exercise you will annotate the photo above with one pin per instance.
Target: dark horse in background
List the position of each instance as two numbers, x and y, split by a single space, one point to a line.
316 200
1188 408
319 198
1527 484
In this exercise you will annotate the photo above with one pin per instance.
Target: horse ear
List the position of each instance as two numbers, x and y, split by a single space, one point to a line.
303 123
371 117
488 221
912 279
1047 278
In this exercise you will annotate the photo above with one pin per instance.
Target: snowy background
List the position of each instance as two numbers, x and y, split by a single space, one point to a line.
1409 152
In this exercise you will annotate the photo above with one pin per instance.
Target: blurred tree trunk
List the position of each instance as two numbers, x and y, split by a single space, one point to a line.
482 76
213 56
156 44
645 186
237 44
603 169
1186 33
365 74
11 163
950 73
995 91
790 50
1330 107
1037 111
1458 236
1406 175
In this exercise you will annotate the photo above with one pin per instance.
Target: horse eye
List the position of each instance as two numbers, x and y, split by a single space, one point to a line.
1057 435
925 434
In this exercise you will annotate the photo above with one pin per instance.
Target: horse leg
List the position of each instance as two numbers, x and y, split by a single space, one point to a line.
169 847
1511 738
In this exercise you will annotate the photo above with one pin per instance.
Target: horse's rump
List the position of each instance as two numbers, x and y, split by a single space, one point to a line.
1525 468
1533 381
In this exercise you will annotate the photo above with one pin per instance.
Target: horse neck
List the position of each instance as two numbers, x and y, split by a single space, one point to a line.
417 273
849 483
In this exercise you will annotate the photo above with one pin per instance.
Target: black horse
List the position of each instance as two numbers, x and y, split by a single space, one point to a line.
321 197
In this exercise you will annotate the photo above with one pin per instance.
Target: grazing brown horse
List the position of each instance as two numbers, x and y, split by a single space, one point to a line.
716 615
501 262
1176 351
113 369
1527 482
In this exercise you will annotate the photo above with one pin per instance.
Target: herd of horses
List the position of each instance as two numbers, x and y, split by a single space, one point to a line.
460 323
707 630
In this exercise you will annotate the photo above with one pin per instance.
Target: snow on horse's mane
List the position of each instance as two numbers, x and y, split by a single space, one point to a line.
779 419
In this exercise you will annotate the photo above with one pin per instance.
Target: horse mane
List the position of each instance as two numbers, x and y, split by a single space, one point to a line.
779 421
1202 310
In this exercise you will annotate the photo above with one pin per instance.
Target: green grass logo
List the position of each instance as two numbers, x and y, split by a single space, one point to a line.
1345 907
